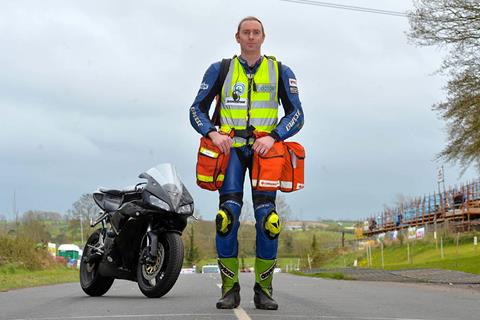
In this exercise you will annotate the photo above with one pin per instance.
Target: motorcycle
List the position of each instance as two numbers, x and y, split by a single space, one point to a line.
140 235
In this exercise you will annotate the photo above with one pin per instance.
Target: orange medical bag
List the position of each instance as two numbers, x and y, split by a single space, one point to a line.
267 169
211 165
282 168
292 178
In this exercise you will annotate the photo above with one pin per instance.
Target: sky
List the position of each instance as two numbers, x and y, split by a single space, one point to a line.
92 93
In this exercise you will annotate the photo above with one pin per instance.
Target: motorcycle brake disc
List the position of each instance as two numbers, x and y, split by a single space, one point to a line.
151 270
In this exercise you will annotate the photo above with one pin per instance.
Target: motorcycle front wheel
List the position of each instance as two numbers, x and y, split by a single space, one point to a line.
91 281
155 278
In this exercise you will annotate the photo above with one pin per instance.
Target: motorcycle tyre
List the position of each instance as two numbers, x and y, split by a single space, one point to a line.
98 285
171 267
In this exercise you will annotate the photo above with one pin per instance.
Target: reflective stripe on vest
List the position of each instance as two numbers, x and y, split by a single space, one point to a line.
263 112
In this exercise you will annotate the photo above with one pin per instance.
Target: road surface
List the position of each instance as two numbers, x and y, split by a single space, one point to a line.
194 297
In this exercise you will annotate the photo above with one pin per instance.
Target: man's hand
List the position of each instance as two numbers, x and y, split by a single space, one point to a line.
263 145
223 142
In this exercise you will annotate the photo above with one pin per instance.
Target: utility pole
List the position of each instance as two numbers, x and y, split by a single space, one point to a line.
81 226
15 212
441 179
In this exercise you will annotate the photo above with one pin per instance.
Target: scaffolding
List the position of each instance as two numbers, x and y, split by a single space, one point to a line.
458 204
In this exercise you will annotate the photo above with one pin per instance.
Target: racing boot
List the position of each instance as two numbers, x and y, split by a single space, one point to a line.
263 284
230 288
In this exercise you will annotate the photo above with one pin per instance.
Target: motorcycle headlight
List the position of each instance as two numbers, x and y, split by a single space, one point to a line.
158 203
188 208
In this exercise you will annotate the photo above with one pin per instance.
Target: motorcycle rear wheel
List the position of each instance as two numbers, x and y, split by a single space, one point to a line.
91 281
157 278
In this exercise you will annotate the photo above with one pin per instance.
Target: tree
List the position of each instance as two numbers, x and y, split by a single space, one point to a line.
34 228
83 209
287 240
192 254
313 247
283 208
247 212
455 24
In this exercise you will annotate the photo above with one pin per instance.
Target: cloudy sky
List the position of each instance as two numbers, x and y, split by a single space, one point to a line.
94 92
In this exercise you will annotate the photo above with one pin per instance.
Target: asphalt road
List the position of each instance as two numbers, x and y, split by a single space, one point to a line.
194 297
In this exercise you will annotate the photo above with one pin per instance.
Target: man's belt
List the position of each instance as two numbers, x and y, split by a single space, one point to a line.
245 133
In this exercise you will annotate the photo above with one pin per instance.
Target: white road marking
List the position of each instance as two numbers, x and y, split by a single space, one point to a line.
239 312
242 314
294 316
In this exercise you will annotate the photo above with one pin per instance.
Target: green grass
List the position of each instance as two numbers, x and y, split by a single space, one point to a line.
12 277
423 254
325 275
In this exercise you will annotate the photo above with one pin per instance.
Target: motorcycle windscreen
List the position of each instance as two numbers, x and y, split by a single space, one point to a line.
169 187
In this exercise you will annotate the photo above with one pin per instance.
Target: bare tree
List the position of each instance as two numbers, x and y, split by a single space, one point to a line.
34 228
84 207
192 252
455 25
283 208
247 212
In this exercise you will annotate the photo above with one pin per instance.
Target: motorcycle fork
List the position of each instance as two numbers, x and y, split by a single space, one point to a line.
152 242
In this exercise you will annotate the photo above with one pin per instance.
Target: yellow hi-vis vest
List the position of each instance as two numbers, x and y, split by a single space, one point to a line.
247 101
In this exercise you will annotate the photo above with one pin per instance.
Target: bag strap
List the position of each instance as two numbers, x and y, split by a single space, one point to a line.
224 66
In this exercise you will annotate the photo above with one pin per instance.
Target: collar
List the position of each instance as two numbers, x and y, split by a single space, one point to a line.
253 68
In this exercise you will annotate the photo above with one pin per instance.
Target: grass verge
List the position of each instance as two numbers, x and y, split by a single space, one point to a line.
325 275
14 278
418 254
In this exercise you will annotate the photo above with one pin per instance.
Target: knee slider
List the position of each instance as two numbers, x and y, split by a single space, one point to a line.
272 225
224 222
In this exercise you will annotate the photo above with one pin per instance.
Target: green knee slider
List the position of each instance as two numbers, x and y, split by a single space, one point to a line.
272 225
224 222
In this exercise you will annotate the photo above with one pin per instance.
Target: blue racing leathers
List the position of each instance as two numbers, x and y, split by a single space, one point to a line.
231 193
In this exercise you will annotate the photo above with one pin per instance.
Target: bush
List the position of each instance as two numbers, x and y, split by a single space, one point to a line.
23 253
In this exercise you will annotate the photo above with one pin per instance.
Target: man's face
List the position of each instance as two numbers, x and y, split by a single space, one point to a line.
250 37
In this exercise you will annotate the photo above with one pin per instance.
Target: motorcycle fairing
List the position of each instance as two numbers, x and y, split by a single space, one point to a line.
164 183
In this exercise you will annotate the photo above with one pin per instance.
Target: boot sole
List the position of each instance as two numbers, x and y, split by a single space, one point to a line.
266 307
227 307
237 303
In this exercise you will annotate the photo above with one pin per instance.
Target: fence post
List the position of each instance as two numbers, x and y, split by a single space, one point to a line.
441 248
408 252
456 250
371 259
383 262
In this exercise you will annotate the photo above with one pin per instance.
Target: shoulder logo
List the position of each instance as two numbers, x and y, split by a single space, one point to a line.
203 86
292 82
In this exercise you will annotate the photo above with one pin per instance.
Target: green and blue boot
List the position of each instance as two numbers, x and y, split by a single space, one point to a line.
230 288
263 284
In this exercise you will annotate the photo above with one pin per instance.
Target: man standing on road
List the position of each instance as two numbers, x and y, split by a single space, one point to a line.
249 97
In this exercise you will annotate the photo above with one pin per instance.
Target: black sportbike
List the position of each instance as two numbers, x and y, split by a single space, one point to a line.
140 235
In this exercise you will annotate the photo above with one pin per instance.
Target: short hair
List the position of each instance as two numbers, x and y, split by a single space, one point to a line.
250 18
